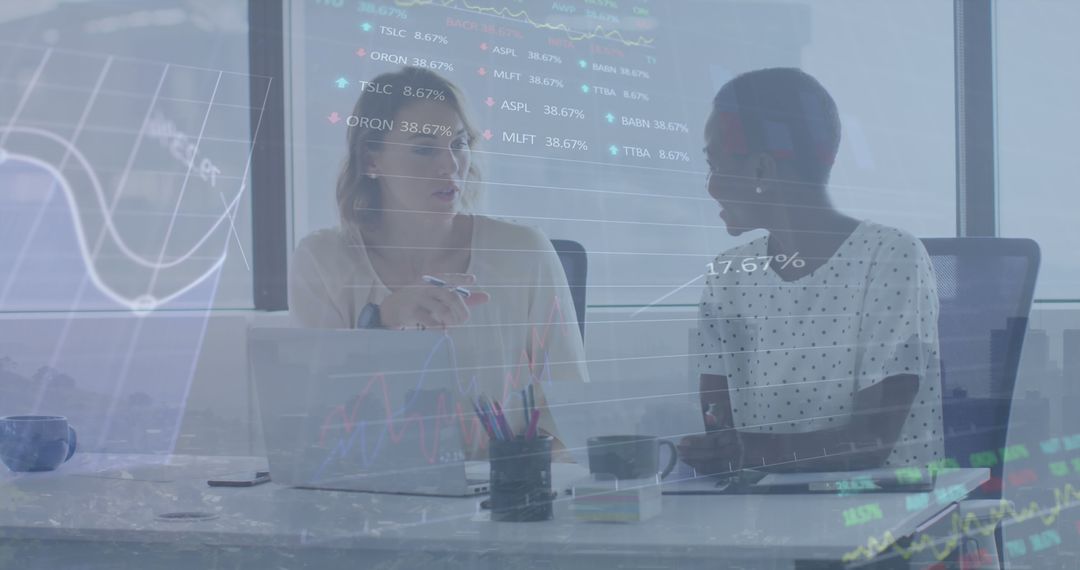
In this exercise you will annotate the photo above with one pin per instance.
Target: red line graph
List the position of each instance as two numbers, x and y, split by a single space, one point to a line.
342 420
442 419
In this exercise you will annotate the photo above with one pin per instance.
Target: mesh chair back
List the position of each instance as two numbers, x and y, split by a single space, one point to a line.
985 288
576 266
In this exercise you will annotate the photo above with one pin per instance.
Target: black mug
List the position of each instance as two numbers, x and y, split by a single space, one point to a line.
36 443
521 479
629 456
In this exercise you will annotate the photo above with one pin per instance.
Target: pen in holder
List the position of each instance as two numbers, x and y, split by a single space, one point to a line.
521 479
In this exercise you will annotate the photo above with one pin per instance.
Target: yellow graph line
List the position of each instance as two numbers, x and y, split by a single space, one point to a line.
575 35
963 526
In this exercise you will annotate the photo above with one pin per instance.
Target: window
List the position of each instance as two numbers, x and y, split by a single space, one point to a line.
1038 85
125 136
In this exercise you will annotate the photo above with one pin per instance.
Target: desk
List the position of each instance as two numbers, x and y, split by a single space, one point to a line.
95 513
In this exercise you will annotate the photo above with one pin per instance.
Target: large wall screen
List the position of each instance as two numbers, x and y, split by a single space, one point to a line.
592 113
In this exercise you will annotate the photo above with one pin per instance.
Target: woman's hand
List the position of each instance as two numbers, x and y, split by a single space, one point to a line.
712 452
427 306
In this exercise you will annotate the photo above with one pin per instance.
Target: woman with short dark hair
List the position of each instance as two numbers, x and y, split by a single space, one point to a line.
818 342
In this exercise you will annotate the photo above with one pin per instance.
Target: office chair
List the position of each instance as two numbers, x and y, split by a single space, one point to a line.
985 287
576 266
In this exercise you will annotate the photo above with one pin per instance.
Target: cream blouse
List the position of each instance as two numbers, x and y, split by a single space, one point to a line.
527 332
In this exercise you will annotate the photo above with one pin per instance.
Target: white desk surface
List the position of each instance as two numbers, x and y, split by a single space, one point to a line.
117 498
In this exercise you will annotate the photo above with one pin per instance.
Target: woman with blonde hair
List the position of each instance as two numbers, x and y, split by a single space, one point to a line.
404 196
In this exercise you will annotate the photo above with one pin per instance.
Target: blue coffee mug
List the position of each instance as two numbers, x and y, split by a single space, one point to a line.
36 443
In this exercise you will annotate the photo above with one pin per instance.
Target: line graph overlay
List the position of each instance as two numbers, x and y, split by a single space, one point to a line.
966 525
522 16
126 258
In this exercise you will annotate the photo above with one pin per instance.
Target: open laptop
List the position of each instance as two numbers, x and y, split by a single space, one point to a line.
362 410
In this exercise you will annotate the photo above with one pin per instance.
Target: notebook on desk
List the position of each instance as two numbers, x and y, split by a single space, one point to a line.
750 481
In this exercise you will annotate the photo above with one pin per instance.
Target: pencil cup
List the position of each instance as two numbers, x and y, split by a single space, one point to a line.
521 479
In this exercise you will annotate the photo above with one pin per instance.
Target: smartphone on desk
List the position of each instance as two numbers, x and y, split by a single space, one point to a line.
242 480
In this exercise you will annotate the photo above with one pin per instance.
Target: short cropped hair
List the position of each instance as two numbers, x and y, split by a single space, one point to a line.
782 111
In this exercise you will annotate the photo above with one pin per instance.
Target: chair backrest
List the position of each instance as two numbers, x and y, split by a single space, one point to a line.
985 288
576 266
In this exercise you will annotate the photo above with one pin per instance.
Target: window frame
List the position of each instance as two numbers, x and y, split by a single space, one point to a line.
269 193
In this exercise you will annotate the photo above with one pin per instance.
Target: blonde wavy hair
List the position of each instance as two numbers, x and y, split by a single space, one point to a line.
359 197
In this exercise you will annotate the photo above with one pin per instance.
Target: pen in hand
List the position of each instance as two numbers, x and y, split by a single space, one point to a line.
440 283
